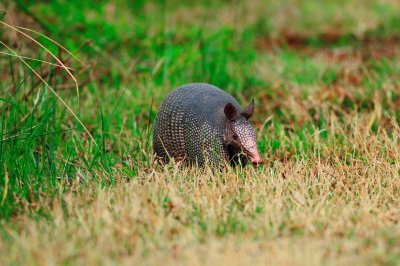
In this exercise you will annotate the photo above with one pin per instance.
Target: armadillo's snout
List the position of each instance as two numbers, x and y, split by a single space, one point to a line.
255 158
253 155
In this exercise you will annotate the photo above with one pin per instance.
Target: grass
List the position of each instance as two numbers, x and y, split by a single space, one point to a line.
325 78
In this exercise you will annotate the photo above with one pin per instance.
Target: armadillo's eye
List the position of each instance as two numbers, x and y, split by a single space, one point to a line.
235 136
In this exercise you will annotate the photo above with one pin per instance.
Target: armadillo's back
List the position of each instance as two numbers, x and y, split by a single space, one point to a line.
190 123
168 132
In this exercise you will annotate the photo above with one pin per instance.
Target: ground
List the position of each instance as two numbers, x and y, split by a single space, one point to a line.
78 183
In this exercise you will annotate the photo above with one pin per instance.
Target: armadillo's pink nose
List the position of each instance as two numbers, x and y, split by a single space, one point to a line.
255 158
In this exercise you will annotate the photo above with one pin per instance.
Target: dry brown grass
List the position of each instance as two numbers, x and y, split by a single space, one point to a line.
337 205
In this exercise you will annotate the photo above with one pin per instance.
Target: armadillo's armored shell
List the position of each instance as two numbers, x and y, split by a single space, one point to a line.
190 124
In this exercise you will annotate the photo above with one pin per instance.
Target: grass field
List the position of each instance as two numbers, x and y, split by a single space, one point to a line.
78 184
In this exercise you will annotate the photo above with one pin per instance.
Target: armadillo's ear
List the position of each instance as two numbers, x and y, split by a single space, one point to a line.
230 112
248 110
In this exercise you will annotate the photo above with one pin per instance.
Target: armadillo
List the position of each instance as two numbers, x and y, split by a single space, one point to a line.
200 123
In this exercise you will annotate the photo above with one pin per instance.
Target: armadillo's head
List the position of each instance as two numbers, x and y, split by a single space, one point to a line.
239 137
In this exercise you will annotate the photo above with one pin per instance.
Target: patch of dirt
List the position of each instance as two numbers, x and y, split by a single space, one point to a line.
367 47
